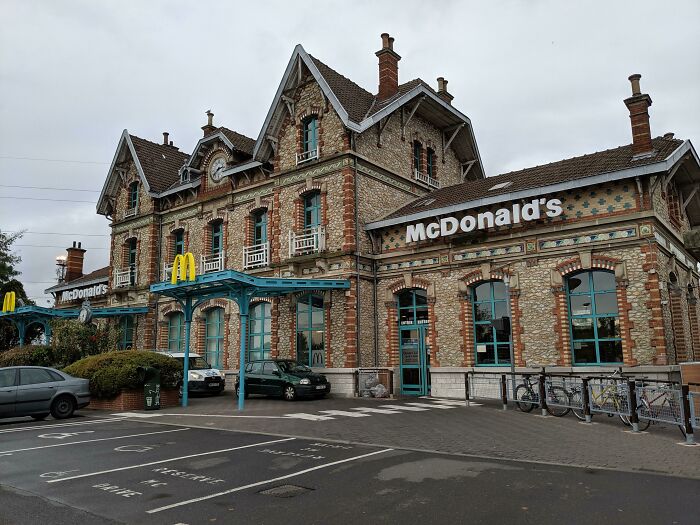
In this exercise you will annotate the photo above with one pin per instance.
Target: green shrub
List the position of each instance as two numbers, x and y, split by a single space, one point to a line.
72 340
110 372
31 355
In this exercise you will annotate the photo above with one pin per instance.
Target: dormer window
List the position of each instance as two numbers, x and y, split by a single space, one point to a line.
133 200
417 161
179 242
309 140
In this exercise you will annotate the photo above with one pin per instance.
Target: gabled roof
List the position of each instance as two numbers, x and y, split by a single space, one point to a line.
97 276
594 168
233 140
359 109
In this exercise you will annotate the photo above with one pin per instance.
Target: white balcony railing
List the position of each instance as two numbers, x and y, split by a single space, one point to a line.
306 156
167 271
125 277
256 255
130 212
213 262
427 179
311 240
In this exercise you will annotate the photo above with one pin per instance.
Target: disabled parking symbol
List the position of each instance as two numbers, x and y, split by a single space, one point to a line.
64 435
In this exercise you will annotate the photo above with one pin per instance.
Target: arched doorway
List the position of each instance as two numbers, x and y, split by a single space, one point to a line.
414 350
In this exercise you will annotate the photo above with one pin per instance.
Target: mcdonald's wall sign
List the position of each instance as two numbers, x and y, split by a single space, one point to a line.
183 268
8 303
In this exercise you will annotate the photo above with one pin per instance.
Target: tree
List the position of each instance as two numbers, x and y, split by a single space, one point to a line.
9 283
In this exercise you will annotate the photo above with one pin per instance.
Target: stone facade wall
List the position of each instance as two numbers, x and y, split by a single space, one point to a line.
367 323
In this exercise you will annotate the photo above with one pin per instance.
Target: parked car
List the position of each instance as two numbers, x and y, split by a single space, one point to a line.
283 377
202 378
38 391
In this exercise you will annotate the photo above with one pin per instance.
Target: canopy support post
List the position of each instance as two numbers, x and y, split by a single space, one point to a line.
186 368
22 331
243 307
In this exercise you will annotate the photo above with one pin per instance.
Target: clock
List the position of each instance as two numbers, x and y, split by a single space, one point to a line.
216 169
85 315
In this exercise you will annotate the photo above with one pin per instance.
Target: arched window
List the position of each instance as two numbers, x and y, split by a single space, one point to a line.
126 325
310 136
176 325
413 307
594 318
217 237
312 210
179 242
214 337
492 334
310 331
260 332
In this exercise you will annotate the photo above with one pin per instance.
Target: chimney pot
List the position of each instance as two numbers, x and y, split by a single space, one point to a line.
385 40
210 118
165 138
669 135
171 143
209 128
634 80
391 42
442 90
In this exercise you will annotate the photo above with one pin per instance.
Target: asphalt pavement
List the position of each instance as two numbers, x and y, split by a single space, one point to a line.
187 466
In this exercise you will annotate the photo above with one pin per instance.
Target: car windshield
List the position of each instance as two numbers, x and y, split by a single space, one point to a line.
292 366
198 363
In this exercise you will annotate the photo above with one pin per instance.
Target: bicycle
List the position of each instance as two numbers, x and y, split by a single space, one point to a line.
654 409
609 395
526 398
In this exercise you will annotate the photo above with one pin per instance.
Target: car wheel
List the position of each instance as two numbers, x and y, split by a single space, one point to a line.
39 417
62 407
238 392
289 393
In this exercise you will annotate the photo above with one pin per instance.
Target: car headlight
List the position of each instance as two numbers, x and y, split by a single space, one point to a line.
305 381
196 375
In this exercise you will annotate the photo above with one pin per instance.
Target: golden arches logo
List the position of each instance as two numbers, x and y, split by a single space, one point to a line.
183 268
8 303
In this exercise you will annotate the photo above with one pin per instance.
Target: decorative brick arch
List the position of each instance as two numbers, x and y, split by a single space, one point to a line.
200 328
584 263
467 313
166 311
249 222
302 192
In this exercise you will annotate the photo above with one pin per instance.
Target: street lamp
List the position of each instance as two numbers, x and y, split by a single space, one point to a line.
61 268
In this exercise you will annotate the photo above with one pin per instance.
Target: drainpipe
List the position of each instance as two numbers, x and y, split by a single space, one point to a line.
357 269
158 270
375 282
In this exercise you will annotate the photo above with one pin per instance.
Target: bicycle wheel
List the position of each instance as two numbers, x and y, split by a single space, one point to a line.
618 408
525 398
577 401
560 397
644 423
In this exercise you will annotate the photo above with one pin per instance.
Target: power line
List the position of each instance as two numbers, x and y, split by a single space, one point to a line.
53 160
52 200
58 233
46 188
54 246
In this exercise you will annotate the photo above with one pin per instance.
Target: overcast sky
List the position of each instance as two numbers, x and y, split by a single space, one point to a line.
540 80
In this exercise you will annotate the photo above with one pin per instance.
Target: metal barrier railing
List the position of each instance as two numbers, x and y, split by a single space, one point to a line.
694 398
564 391
609 396
484 386
662 402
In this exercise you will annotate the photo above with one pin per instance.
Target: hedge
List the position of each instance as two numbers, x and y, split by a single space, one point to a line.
33 355
111 372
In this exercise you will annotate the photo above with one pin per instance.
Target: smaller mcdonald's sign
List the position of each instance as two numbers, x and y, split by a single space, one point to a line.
183 268
8 302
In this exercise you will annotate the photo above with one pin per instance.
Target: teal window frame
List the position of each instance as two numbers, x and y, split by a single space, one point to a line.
493 304
260 331
260 227
417 160
133 259
312 210
179 238
309 134
214 337
126 324
430 156
311 330
217 237
133 195
176 326
593 292
414 311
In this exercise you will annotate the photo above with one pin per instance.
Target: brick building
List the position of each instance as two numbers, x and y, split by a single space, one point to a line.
581 263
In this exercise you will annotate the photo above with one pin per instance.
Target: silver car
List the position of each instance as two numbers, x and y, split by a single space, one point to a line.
38 391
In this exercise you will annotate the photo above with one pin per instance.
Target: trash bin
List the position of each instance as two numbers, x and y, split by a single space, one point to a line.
150 377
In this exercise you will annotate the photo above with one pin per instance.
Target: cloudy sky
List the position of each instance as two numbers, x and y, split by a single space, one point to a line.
541 81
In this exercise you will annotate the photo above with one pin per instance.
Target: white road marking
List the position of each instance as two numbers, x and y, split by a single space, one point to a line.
374 410
169 460
136 415
64 435
308 417
221 415
39 427
449 402
342 413
431 405
264 482
91 441
133 448
407 408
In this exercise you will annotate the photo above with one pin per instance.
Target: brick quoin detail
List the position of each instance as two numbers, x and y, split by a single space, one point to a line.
626 325
327 341
677 325
466 330
432 332
349 238
561 315
351 325
653 305
694 333
392 333
517 328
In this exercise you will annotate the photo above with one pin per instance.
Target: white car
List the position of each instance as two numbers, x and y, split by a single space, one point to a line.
202 378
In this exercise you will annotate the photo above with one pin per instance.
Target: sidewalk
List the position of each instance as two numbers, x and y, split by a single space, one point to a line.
484 430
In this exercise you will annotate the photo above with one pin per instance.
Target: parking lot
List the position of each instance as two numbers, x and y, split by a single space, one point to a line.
99 468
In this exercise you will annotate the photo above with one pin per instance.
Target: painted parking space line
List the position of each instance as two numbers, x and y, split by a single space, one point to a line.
179 458
166 414
372 410
58 425
265 482
90 440
405 407
343 413
431 405
308 417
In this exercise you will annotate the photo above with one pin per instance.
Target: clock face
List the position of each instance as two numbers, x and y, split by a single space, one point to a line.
216 168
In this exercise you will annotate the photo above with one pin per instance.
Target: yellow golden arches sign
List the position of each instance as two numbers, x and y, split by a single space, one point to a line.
183 268
8 303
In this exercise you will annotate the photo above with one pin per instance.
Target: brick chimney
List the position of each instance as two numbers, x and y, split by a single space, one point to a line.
442 90
209 128
165 138
638 105
388 68
74 262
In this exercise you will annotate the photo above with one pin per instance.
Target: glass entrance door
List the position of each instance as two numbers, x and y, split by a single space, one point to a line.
414 353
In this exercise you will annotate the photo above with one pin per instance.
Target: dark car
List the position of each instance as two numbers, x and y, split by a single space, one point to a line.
283 377
38 391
